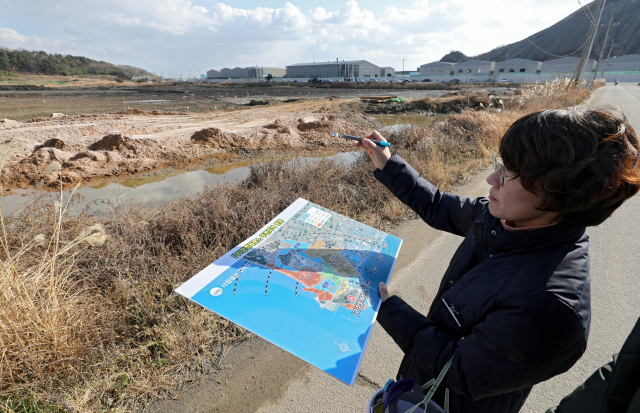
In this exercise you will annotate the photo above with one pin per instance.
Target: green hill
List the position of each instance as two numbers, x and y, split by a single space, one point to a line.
57 64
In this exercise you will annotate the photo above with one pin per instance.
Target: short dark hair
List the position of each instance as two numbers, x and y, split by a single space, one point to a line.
583 161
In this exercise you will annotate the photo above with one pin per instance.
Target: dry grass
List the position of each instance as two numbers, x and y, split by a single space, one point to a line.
598 83
89 320
61 82
556 94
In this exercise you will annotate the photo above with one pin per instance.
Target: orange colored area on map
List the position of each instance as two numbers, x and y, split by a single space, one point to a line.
319 244
313 279
305 277
322 295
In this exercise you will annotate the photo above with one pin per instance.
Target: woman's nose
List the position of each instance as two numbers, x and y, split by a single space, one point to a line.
494 179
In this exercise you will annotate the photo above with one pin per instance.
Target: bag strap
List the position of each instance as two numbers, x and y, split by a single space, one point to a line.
428 384
434 387
446 400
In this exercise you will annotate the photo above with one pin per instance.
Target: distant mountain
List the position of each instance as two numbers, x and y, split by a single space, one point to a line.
568 36
455 57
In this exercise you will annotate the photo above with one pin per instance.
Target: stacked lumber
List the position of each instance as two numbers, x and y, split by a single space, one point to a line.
377 99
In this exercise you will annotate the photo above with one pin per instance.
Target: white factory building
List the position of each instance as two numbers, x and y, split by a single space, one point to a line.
566 66
436 69
518 66
474 68
623 68
339 69
246 72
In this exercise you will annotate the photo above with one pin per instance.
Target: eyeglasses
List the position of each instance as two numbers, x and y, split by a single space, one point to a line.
503 175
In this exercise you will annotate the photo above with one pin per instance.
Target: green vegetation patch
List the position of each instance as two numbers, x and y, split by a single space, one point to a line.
26 402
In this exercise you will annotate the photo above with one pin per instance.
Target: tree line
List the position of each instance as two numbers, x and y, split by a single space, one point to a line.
66 65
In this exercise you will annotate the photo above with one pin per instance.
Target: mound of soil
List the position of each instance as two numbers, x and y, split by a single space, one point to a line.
258 102
316 126
36 120
278 124
216 138
144 112
54 143
113 141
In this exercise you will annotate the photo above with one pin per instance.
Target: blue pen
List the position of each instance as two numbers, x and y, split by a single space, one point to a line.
355 138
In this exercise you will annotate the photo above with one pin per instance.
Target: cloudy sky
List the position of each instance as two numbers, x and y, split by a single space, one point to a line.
182 37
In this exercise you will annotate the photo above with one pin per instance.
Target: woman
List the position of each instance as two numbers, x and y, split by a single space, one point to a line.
515 299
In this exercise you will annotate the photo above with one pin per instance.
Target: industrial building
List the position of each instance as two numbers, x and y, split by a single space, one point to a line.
518 66
386 72
566 66
622 68
475 68
264 71
436 68
246 72
341 69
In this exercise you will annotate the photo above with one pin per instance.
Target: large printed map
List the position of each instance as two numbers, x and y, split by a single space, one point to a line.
307 281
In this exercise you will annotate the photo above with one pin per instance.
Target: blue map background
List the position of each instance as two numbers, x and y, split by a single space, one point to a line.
299 324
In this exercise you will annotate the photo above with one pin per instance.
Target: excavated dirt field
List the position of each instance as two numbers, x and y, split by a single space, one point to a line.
89 135
107 146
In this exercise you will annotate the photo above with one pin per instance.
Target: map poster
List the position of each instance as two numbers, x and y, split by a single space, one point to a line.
307 282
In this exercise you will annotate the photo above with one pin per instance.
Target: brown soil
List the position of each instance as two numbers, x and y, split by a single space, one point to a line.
103 146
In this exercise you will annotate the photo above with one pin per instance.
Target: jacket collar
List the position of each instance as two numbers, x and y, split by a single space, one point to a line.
490 232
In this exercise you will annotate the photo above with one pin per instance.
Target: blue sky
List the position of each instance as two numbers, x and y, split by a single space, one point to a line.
181 37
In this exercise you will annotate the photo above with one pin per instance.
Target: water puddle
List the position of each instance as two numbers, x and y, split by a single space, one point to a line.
145 101
149 189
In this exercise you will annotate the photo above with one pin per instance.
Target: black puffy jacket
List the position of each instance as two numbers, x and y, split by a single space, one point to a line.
521 298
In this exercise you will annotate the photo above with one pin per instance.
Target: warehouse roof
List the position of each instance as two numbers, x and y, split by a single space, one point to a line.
329 63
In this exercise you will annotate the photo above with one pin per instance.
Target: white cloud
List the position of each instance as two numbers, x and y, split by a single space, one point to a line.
319 15
177 35
14 40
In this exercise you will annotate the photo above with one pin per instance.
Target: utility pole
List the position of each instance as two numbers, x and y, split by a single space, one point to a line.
607 61
504 67
592 34
604 44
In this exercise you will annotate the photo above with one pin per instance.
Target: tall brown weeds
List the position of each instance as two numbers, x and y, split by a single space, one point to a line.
554 94
49 334
91 323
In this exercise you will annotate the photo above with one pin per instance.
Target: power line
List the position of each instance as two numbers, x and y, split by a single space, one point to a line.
591 19
538 47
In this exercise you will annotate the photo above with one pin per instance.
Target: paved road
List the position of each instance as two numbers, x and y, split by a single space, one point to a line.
280 382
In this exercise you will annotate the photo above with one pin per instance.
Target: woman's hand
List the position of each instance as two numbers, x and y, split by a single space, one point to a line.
384 294
379 154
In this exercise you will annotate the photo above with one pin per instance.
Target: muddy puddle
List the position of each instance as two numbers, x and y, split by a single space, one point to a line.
153 188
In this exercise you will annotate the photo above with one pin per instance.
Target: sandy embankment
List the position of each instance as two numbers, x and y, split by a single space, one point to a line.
98 147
